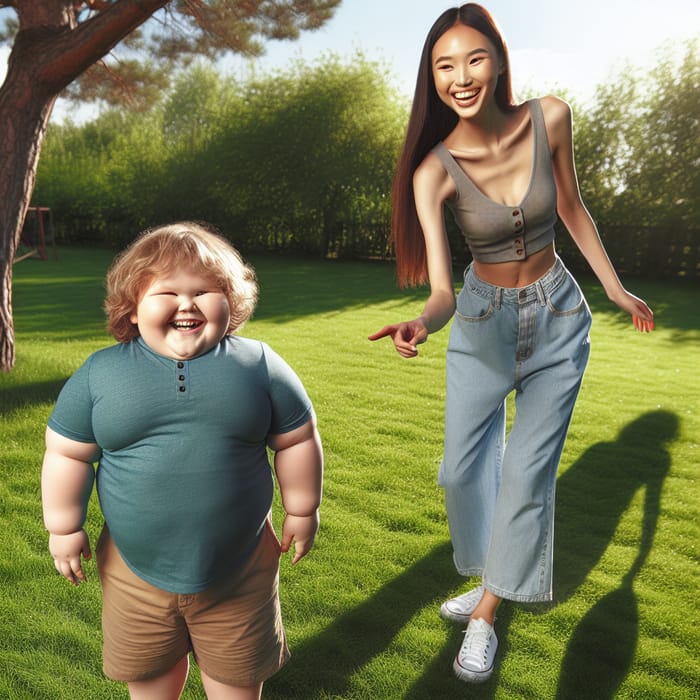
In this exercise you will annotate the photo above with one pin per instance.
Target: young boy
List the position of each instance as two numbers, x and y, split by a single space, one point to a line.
178 415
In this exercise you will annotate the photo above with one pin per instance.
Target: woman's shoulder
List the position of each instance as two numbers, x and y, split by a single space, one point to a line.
432 177
431 168
555 109
557 119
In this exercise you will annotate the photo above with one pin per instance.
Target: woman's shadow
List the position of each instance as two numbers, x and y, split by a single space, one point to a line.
592 496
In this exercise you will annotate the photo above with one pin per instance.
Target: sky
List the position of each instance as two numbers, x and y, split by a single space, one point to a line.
567 43
554 44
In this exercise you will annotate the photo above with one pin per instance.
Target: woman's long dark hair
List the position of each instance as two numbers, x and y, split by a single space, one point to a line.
431 120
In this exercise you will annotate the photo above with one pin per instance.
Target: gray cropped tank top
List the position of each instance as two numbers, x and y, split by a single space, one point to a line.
497 232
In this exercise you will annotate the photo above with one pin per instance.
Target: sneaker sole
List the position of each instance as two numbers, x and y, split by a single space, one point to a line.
472 676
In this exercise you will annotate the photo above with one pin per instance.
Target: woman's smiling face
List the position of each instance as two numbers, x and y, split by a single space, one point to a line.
466 67
182 314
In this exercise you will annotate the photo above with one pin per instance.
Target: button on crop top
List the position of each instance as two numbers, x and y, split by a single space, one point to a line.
497 232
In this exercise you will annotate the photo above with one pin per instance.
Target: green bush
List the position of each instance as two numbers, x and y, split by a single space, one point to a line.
301 160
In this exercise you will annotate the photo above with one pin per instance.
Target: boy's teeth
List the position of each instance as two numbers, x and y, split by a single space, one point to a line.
185 324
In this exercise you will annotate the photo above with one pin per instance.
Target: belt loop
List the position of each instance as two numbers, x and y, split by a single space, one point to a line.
499 296
540 293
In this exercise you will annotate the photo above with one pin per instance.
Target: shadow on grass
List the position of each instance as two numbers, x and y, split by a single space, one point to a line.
439 680
324 665
592 496
67 295
15 397
292 288
675 306
60 309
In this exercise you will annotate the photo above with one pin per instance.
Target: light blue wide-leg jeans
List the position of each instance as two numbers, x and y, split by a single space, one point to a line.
500 493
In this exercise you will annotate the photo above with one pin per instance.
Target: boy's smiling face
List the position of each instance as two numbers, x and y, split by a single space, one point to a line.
182 314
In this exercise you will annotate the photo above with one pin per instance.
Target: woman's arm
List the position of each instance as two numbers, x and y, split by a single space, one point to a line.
431 187
67 478
576 217
299 469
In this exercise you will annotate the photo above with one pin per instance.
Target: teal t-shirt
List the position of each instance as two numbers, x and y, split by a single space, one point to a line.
184 480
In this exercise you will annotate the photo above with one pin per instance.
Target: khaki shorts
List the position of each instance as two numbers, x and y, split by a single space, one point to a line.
233 628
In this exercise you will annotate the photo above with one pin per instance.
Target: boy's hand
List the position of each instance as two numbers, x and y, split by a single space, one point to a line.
66 551
301 530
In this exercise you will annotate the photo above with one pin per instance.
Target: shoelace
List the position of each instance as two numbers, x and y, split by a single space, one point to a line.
476 644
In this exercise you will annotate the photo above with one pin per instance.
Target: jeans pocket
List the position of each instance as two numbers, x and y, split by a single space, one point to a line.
472 307
566 300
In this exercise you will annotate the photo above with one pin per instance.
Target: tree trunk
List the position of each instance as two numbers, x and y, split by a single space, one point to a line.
24 115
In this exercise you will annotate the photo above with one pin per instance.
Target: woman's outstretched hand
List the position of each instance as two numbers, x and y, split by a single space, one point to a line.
642 325
406 336
642 315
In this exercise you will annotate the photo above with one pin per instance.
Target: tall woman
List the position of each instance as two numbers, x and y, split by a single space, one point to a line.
520 321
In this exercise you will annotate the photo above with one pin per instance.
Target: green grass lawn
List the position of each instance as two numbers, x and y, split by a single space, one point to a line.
362 609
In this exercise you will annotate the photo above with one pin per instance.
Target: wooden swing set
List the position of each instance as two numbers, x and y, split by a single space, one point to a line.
36 231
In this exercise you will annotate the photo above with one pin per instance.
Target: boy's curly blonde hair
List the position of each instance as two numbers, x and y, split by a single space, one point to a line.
162 250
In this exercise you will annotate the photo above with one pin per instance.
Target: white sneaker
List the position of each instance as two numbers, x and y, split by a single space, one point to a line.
460 609
475 661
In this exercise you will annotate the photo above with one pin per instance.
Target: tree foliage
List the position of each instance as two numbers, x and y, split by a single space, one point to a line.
638 153
662 164
175 34
56 42
638 144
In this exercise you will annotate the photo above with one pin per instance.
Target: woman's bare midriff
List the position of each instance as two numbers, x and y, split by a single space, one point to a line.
519 273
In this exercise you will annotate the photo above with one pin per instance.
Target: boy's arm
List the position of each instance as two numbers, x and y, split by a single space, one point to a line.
67 477
299 469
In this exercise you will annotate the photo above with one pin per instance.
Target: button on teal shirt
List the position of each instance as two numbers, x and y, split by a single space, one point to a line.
184 480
